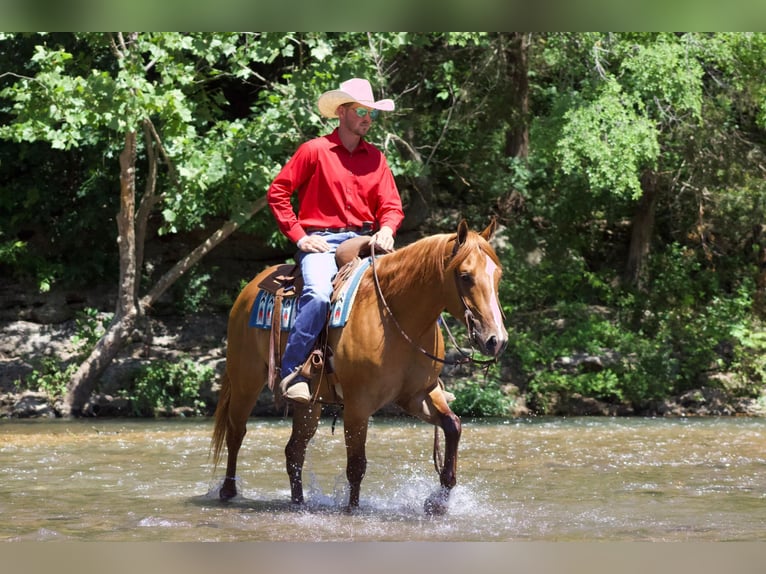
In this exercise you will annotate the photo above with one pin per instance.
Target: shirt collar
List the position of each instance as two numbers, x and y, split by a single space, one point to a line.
335 139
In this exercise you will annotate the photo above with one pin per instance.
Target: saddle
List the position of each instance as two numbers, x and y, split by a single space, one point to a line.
285 281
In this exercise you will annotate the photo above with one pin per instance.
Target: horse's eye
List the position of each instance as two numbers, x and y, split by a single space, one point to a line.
467 279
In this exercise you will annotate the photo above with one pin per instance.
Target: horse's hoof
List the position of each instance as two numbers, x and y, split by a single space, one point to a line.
437 503
227 495
351 509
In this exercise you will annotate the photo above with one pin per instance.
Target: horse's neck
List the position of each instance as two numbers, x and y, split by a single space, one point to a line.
412 280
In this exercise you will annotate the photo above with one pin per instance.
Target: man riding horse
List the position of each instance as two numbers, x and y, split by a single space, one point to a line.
345 189
390 349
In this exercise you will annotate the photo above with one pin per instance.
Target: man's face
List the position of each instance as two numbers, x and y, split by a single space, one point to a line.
356 118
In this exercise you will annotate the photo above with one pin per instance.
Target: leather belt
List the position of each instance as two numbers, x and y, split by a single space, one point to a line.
355 229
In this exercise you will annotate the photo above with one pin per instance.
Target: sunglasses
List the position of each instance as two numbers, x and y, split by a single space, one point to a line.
361 112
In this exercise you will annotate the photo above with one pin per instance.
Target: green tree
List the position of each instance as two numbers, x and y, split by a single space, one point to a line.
644 162
157 103
626 167
198 124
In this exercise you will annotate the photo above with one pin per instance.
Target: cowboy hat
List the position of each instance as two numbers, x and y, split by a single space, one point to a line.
355 90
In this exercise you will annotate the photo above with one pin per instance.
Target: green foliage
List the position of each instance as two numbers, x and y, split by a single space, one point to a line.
50 374
664 77
650 345
570 330
191 292
480 399
89 329
609 140
607 113
10 251
163 385
749 359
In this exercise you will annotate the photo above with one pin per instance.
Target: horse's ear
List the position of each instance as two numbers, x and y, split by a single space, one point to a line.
490 230
462 231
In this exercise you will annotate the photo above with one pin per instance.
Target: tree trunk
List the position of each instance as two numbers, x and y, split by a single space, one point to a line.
517 66
641 232
149 198
81 384
112 341
758 247
515 50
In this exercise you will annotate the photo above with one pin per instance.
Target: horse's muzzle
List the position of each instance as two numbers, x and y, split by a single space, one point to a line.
490 340
493 346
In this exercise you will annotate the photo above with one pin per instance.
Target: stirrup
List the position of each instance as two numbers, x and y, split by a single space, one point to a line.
313 364
293 390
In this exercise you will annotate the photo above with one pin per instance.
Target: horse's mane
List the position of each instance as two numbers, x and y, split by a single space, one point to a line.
473 241
426 260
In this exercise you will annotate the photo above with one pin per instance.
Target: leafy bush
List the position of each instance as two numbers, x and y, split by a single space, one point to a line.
655 343
89 328
50 375
164 385
748 359
191 293
476 399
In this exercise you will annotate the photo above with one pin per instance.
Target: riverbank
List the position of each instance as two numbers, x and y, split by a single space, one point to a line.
201 338
25 346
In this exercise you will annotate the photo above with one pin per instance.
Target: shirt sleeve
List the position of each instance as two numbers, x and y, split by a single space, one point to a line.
295 173
389 212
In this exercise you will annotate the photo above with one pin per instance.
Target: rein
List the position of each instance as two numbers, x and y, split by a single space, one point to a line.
466 357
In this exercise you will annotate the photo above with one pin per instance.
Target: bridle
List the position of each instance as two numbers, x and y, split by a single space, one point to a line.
469 319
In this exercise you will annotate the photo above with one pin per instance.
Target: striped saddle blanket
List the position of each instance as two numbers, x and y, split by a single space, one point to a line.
263 308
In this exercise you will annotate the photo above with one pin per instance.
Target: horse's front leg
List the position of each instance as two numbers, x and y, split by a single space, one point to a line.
435 409
450 424
355 433
305 422
437 502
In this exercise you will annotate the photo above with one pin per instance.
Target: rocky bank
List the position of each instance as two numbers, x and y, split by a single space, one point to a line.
202 338
25 344
35 326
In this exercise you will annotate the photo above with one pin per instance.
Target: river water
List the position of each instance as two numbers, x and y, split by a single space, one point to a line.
574 479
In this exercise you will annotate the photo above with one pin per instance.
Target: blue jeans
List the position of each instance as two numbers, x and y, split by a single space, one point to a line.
318 271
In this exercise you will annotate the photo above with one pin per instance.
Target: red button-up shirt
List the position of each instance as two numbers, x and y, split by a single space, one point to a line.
335 188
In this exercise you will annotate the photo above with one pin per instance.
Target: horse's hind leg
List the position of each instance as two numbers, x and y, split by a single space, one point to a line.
305 422
355 433
236 427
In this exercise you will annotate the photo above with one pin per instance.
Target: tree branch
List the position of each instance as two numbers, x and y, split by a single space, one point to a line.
194 256
148 200
164 154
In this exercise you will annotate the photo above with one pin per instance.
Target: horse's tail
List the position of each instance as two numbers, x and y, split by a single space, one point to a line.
221 420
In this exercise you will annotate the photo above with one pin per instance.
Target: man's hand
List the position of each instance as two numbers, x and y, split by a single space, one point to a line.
384 238
313 244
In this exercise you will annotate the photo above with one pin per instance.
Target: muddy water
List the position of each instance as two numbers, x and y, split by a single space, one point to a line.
519 480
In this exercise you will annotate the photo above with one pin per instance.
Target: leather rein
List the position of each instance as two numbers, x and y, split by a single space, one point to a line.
466 357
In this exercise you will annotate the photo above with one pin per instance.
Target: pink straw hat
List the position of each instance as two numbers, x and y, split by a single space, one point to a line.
355 90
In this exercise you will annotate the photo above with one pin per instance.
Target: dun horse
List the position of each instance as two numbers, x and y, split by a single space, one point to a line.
390 351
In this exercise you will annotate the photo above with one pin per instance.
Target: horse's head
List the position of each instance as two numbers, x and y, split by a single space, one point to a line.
477 271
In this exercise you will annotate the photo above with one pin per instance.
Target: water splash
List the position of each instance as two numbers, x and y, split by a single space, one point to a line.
562 480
